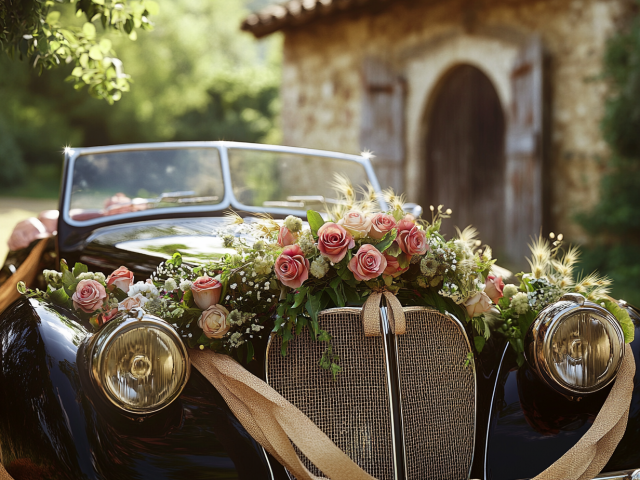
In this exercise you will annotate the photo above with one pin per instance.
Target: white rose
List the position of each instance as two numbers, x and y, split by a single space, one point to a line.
356 223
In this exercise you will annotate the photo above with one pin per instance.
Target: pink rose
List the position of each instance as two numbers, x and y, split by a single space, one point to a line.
89 296
493 287
285 237
411 239
381 224
478 304
406 223
206 291
393 266
334 241
138 300
356 223
213 321
121 278
368 263
291 268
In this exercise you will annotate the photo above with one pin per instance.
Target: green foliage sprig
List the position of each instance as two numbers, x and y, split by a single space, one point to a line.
33 30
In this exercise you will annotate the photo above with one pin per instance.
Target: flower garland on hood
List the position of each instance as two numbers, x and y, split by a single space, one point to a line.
283 274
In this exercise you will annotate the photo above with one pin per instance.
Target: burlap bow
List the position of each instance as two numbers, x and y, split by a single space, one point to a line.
371 314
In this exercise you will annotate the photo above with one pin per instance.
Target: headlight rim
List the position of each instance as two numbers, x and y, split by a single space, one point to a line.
541 332
108 333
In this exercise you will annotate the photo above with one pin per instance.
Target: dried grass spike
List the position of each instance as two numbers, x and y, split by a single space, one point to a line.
233 218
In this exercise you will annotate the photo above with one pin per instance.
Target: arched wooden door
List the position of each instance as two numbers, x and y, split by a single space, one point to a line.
465 155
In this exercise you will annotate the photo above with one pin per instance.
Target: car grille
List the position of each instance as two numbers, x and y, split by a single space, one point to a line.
434 411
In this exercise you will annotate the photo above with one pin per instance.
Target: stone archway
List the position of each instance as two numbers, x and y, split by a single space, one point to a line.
464 153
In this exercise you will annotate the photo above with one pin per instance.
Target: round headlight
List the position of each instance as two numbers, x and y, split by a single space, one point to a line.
139 363
576 346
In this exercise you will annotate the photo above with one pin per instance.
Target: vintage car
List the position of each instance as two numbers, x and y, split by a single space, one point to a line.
404 407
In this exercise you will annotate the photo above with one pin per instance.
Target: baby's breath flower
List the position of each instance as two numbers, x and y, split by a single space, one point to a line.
520 303
170 285
293 224
258 246
509 290
319 267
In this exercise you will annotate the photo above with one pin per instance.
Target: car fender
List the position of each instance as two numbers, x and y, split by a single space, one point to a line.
531 426
54 424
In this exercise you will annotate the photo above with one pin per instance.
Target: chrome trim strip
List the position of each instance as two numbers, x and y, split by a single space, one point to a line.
404 444
394 433
619 475
493 396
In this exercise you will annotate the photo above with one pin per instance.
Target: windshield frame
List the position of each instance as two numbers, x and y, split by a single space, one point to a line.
228 201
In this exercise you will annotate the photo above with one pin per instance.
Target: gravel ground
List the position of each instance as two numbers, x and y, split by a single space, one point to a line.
12 210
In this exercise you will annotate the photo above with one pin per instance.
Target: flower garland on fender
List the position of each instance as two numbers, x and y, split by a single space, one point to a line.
281 275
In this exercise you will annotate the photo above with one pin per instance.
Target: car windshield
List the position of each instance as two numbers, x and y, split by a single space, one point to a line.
123 181
287 180
117 182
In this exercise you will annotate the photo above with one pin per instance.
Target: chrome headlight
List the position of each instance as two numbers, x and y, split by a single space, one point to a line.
139 363
576 346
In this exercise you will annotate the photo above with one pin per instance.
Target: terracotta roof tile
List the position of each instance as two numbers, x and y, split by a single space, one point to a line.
297 12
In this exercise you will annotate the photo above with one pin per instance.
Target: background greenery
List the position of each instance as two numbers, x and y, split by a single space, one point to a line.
195 76
614 224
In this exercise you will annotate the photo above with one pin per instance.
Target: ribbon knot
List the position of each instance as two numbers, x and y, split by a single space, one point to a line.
371 314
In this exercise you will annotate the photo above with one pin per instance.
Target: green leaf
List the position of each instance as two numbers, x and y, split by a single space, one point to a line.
187 298
324 336
68 279
479 342
52 17
393 250
628 328
301 322
89 30
119 294
351 295
22 288
299 297
335 282
313 306
77 72
59 297
105 45
335 370
386 241
403 261
95 52
79 268
315 221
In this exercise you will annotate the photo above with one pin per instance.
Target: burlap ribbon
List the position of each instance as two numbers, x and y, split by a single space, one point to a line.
592 452
274 422
371 314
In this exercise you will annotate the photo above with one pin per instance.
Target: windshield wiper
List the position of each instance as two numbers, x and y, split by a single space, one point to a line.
314 199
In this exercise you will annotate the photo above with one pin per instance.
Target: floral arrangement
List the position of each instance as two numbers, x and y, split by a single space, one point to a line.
284 273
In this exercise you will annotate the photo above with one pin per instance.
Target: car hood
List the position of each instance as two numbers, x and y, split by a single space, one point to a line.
143 246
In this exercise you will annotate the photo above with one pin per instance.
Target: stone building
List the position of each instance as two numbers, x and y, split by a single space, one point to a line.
489 107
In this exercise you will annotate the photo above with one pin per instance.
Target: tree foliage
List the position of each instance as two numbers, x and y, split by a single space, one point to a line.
196 76
35 31
614 223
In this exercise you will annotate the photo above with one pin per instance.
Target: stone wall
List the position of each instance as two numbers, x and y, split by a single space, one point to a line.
322 78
